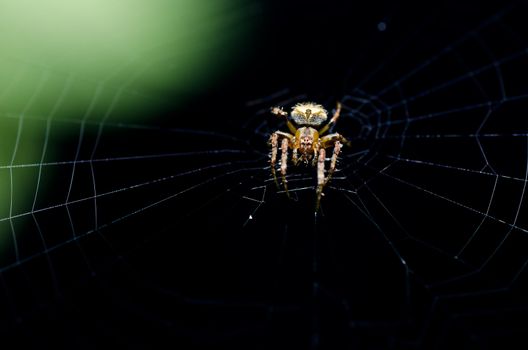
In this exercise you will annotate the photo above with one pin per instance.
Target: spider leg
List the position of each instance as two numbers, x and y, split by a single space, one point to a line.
333 161
274 141
332 121
330 139
316 148
284 164
320 177
322 181
278 111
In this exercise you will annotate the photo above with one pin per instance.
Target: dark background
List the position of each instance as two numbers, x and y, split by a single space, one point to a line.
190 273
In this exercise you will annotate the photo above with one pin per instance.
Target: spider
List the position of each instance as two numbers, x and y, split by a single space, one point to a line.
307 143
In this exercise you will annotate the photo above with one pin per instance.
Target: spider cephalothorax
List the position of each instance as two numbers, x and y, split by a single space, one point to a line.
306 142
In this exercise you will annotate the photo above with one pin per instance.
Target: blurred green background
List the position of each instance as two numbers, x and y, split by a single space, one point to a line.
67 61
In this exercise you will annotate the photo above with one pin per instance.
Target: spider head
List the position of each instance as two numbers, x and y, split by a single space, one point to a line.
308 113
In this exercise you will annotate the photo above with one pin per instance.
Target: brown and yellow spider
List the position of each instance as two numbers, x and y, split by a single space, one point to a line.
307 143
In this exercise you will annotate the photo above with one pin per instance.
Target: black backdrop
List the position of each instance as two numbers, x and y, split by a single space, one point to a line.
191 272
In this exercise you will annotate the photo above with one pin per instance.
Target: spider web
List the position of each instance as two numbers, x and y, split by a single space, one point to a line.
161 223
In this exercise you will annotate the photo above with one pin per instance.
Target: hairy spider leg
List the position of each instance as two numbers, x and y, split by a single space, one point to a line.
320 177
333 161
284 164
278 111
322 181
295 156
316 147
332 121
274 142
274 145
329 140
336 140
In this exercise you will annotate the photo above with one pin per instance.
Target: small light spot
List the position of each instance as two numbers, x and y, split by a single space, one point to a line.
251 217
382 26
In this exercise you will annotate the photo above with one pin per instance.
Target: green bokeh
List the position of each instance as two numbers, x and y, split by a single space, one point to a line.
99 60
